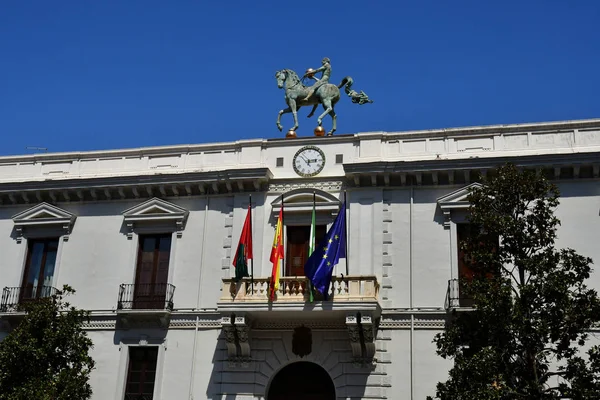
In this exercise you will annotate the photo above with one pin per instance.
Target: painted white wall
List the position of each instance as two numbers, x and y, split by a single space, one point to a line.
396 234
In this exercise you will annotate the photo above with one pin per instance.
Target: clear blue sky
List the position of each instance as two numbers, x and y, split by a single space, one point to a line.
85 75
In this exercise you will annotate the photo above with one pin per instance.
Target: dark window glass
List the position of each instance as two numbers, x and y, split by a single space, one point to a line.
141 374
152 271
39 267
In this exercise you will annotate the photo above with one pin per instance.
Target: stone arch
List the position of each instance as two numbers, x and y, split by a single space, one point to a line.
299 205
304 380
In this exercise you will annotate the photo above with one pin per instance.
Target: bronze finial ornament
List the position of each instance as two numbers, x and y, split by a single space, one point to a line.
322 92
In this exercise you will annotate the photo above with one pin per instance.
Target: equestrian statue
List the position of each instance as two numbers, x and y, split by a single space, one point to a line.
297 94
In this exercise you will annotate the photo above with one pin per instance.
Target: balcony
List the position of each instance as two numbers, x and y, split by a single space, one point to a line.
145 305
14 298
352 304
454 299
353 292
14 301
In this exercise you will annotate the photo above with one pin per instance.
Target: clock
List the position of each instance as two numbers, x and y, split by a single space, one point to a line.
309 161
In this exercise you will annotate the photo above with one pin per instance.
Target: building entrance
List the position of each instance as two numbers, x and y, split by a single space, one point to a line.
302 380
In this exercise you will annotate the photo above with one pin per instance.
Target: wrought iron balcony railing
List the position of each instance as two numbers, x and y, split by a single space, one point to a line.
146 296
14 298
294 289
454 298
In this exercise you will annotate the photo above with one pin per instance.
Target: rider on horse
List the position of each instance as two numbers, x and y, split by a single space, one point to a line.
326 69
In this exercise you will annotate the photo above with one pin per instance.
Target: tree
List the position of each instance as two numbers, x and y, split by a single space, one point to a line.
46 356
532 310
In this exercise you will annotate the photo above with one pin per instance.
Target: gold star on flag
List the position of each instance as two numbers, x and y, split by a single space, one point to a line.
330 240
324 256
325 249
328 263
336 237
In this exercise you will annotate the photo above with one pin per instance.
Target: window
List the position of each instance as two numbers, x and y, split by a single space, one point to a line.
297 247
39 268
152 271
279 162
463 232
141 374
465 270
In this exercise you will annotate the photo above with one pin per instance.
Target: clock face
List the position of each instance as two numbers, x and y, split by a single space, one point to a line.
309 161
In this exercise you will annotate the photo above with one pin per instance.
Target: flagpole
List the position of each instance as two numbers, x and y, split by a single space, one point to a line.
283 235
252 259
346 227
313 245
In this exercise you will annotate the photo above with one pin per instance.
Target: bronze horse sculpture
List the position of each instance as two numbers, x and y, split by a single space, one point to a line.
327 94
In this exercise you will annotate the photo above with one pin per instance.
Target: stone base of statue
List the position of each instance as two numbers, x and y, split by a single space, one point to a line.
319 131
291 134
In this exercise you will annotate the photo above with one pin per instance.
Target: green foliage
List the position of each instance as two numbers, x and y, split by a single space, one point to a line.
533 310
46 356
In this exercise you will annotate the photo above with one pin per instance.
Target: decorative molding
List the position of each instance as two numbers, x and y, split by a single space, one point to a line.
430 320
301 200
387 247
100 324
448 170
302 341
142 319
362 333
44 217
135 185
291 323
236 331
178 320
226 262
153 213
326 186
456 200
188 321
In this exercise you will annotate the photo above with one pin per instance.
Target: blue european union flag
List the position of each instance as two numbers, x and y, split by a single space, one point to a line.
327 254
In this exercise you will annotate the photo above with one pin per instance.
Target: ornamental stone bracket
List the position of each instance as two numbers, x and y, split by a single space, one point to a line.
361 330
236 330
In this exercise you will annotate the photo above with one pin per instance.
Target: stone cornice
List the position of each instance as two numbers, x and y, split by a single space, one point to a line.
443 164
467 170
136 186
497 129
279 142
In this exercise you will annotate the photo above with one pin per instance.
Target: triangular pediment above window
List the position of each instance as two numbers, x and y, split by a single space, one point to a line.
301 200
458 198
46 218
156 214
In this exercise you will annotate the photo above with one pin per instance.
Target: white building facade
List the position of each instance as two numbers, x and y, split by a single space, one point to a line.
147 237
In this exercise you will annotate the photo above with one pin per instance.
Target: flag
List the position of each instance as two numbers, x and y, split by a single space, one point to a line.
276 255
244 248
311 246
327 254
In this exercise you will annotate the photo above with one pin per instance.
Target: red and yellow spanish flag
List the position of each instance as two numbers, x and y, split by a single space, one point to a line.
276 256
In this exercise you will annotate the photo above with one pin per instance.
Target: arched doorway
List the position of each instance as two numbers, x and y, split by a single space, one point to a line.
301 380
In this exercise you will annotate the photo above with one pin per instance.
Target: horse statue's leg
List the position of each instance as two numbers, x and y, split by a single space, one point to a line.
295 114
312 112
281 112
334 122
328 108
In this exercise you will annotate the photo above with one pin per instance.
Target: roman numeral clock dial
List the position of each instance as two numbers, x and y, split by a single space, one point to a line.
309 161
